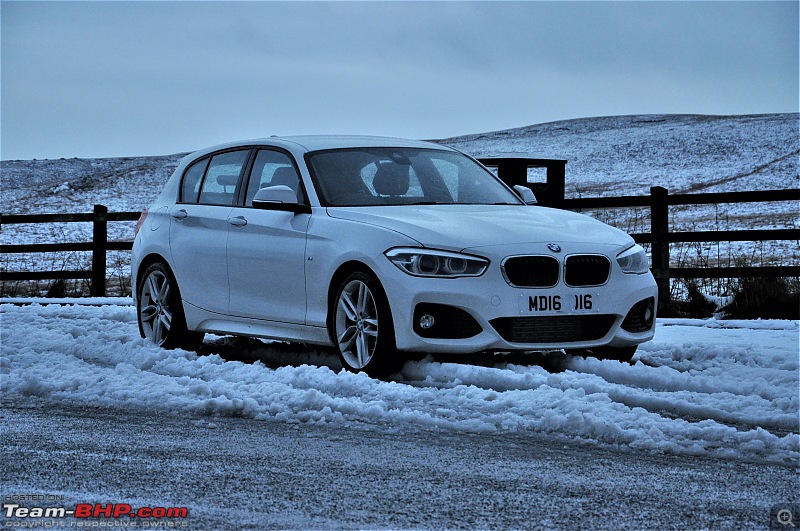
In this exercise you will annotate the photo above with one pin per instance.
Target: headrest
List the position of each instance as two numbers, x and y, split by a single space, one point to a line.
227 180
391 179
285 176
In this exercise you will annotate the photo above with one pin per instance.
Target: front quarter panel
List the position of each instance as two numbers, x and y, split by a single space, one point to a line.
333 242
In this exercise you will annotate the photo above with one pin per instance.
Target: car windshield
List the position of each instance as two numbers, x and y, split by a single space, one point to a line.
403 176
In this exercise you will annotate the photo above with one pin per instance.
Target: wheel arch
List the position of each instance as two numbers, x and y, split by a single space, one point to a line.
178 334
345 269
146 262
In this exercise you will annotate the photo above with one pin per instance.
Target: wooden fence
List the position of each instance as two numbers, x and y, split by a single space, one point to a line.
659 236
98 246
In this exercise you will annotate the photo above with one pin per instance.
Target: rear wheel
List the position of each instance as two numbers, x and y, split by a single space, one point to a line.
160 311
361 327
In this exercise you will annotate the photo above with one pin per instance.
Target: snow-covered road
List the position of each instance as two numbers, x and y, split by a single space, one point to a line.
715 388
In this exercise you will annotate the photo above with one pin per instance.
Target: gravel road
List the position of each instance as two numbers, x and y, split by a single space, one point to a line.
244 473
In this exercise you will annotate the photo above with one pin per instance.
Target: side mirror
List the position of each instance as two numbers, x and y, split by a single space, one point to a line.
526 194
279 197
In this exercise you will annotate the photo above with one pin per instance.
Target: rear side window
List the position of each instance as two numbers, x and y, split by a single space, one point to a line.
219 185
191 181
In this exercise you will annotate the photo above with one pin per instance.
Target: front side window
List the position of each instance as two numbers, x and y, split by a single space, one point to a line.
403 176
219 185
272 168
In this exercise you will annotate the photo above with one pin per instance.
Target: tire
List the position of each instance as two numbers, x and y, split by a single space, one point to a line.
361 327
159 310
620 354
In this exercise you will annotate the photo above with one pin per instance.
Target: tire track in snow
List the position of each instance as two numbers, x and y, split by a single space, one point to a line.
94 355
725 408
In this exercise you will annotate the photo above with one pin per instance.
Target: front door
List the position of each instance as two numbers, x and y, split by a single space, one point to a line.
266 248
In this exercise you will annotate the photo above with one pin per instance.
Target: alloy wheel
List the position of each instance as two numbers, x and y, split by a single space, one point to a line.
356 324
155 308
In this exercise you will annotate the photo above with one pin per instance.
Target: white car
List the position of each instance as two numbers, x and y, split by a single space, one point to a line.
380 247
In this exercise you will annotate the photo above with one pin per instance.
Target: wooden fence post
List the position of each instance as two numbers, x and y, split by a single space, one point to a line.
556 183
659 229
513 172
99 244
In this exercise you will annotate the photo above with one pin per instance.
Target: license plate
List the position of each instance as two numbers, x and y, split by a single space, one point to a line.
538 304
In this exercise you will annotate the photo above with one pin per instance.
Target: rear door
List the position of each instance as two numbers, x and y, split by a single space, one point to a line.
199 228
266 248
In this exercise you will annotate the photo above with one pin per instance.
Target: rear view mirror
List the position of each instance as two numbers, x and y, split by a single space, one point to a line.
279 197
526 194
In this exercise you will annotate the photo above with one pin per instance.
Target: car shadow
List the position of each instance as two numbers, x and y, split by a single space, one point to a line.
273 354
276 354
554 361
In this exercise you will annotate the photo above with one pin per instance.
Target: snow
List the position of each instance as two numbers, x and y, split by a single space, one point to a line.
625 155
718 388
82 301
703 388
614 155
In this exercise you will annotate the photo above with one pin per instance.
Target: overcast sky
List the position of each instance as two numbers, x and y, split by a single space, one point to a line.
95 79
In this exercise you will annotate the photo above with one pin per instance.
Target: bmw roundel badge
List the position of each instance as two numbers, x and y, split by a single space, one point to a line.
554 247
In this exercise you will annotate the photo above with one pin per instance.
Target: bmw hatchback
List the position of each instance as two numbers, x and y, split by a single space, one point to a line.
380 247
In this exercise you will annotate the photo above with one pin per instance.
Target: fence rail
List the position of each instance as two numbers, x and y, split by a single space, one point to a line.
659 236
98 246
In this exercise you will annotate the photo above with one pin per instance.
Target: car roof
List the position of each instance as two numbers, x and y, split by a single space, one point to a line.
319 142
322 142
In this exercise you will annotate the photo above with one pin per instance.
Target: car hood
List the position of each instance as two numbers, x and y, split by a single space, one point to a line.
470 226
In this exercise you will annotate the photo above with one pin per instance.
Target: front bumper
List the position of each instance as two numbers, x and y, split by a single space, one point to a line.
495 306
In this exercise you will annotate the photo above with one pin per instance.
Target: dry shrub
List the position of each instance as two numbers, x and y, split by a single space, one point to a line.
765 298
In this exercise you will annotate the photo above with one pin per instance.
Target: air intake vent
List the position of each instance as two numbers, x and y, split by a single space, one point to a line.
531 271
553 328
587 270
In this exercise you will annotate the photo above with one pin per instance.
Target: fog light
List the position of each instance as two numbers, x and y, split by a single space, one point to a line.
426 321
648 315
640 318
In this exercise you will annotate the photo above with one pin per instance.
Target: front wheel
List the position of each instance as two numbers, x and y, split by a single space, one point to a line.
362 328
160 311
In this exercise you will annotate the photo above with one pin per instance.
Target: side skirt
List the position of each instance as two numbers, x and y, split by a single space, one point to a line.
205 321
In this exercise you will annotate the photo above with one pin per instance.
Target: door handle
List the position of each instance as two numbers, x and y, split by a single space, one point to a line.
237 221
179 214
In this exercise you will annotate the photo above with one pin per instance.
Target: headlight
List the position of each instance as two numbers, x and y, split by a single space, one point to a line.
429 263
633 260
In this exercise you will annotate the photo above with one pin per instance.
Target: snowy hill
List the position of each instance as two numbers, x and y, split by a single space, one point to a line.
607 156
75 185
684 153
